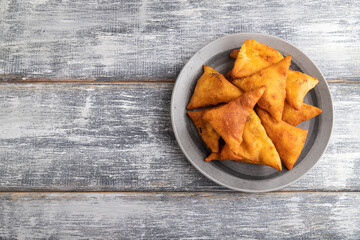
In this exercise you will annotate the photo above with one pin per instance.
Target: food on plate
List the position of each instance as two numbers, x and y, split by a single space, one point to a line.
206 131
229 120
211 89
256 147
215 156
252 57
229 76
274 79
295 117
234 53
288 139
297 85
225 155
234 131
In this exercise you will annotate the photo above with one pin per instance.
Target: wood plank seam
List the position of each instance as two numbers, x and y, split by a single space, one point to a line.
125 81
90 81
182 191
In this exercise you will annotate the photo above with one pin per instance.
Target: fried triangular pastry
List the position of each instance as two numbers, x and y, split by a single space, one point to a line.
206 131
213 156
295 117
252 57
297 85
229 120
227 155
256 147
274 79
229 76
288 140
234 53
211 89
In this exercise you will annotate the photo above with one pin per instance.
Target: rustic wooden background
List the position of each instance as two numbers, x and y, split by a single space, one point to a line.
86 144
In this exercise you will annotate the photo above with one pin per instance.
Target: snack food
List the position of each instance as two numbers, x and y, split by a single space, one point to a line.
229 120
256 147
206 131
234 131
234 53
288 140
297 85
274 79
252 57
295 117
212 88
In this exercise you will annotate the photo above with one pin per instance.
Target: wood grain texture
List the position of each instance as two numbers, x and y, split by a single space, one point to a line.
180 215
118 137
147 39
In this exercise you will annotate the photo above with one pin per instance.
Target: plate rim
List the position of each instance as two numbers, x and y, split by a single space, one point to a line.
172 114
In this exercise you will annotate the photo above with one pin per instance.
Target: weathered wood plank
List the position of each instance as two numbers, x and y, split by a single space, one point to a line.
147 39
180 215
119 137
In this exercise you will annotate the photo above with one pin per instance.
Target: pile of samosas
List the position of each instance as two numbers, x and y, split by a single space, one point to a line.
240 131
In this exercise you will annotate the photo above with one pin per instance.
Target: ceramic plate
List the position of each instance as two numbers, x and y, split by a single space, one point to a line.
242 176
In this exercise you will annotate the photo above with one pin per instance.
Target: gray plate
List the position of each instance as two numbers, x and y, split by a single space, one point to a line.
236 175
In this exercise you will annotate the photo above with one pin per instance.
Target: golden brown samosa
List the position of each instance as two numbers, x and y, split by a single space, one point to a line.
229 120
256 147
252 57
234 53
229 76
295 117
212 156
288 140
226 155
274 79
206 131
297 85
211 89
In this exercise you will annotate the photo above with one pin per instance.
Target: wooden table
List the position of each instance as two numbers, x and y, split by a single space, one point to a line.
86 144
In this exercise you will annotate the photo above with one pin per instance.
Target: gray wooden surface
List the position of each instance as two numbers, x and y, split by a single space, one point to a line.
181 215
118 137
146 39
86 144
